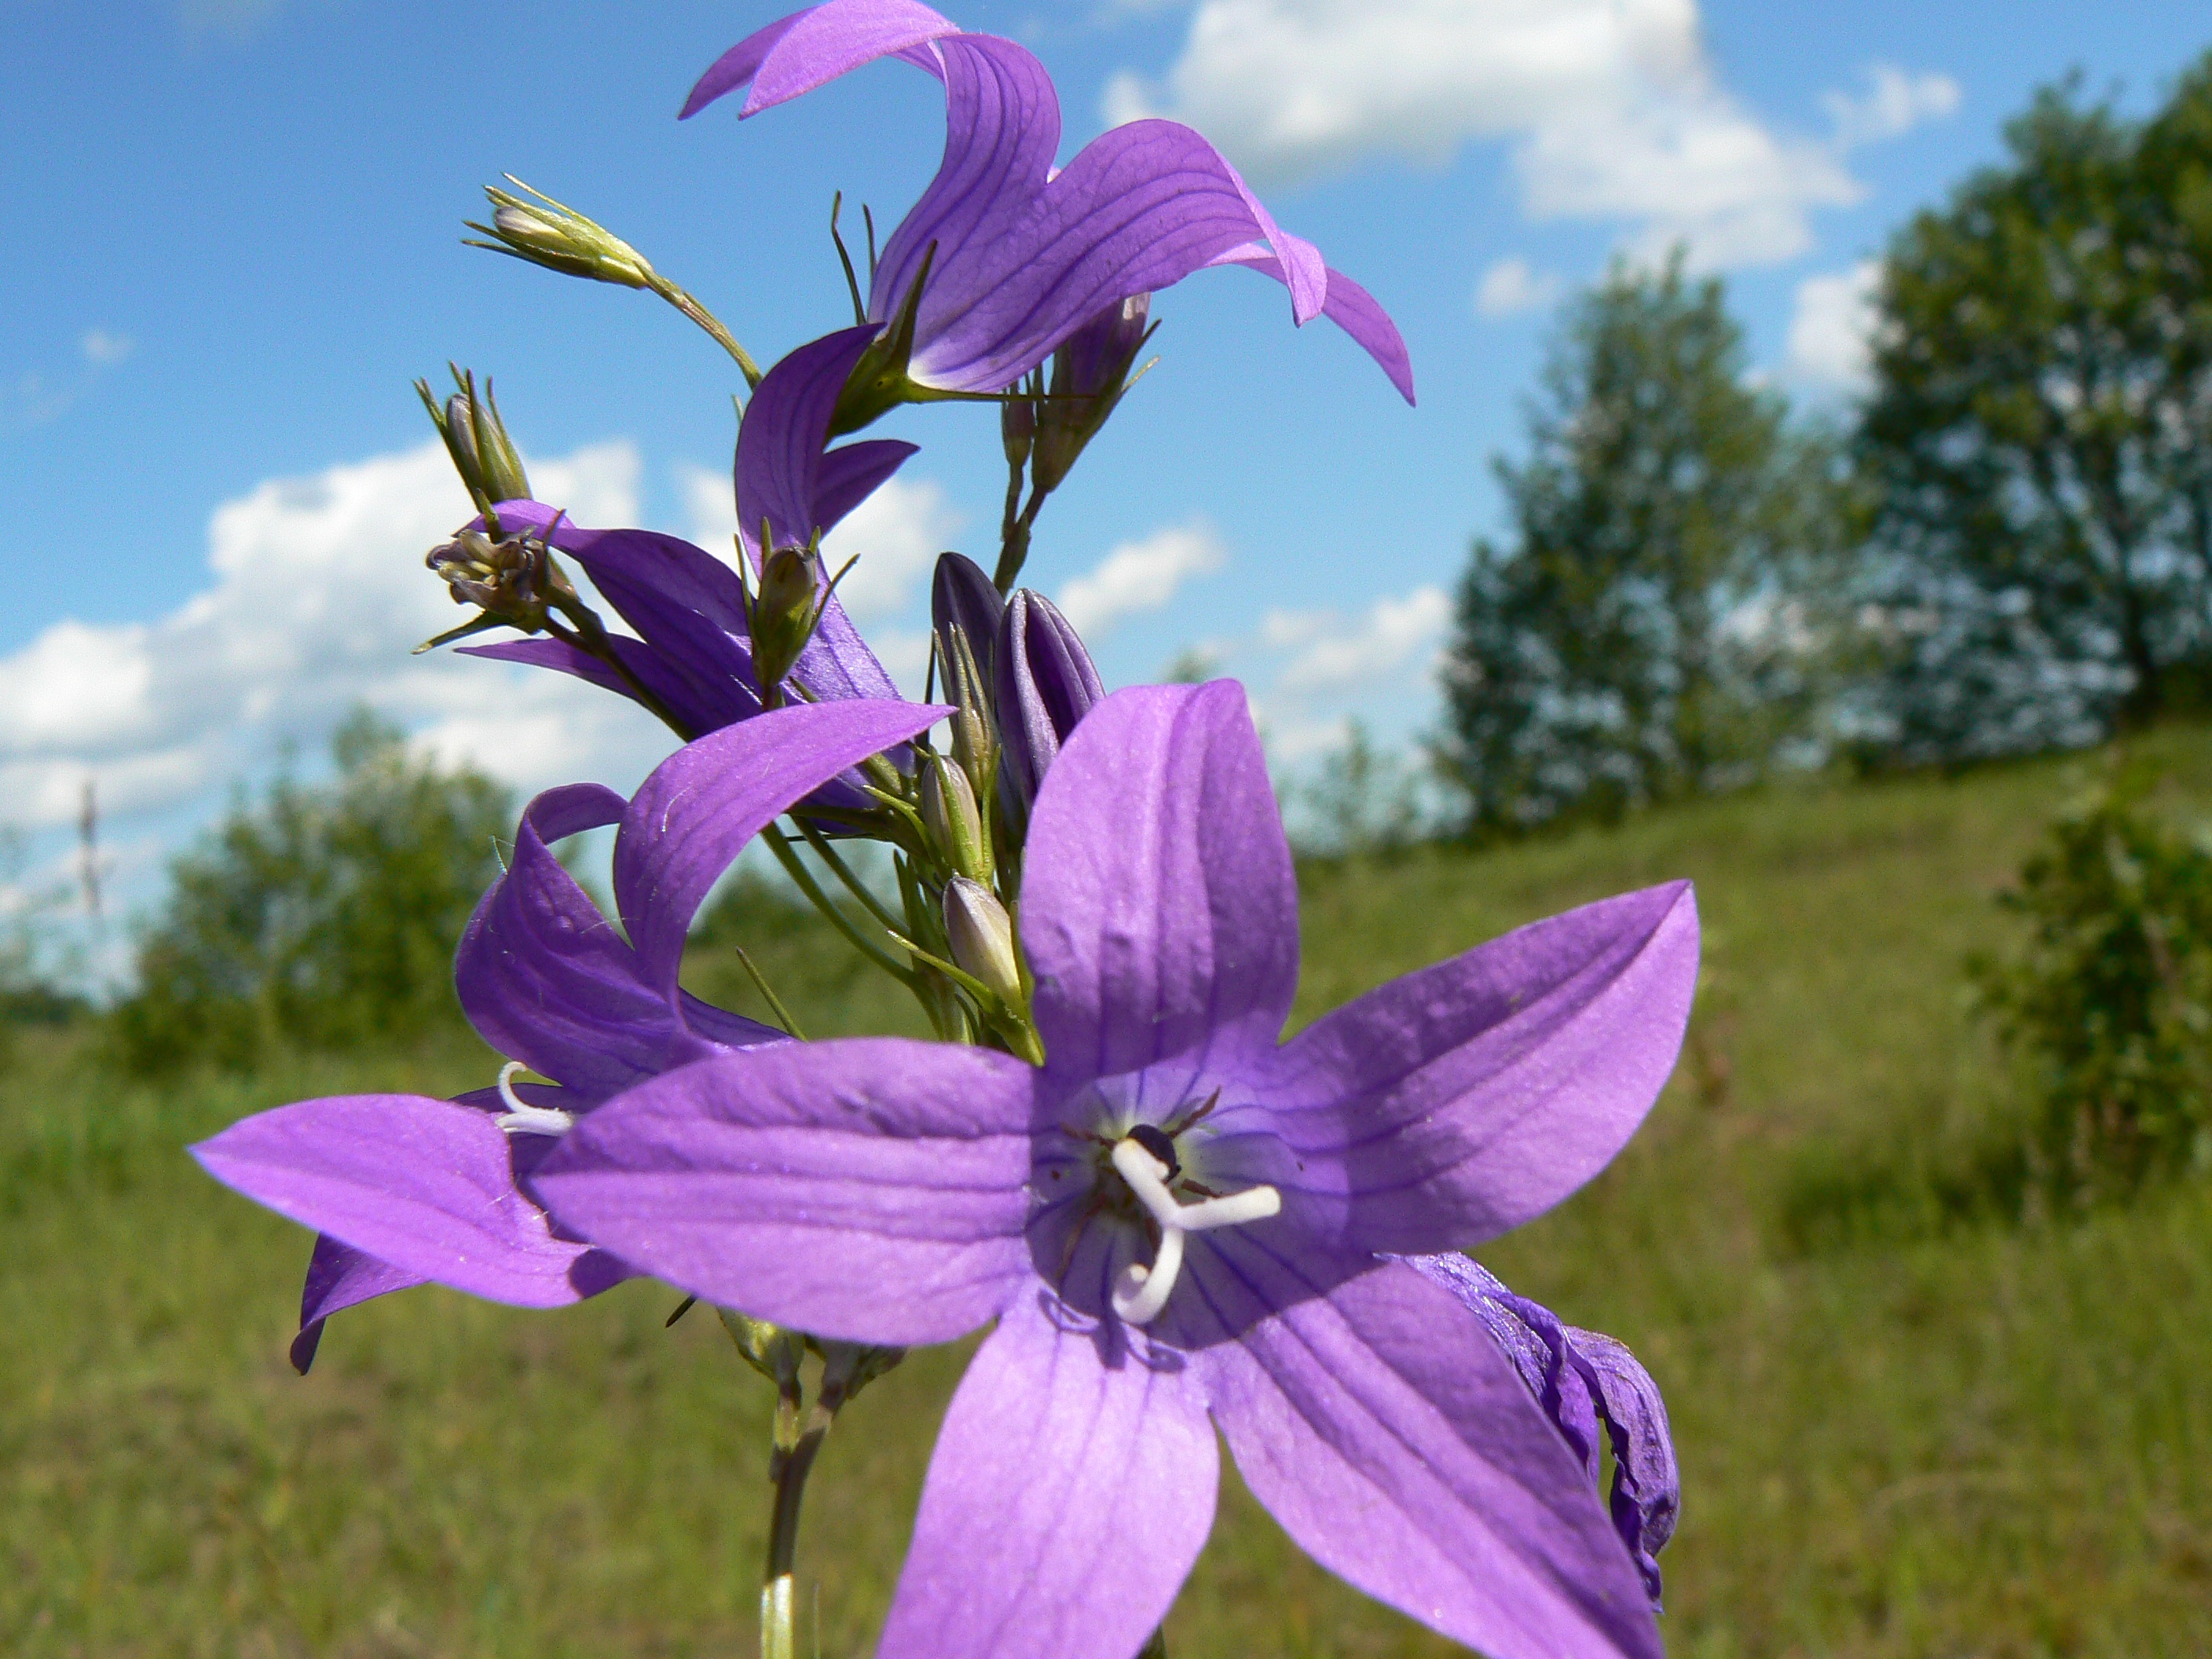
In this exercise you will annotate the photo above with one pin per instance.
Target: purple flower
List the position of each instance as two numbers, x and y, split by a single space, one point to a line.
1584 1380
1044 682
407 1189
1019 256
1176 1219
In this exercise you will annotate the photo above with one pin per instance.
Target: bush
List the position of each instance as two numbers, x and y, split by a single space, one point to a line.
2109 1004
325 917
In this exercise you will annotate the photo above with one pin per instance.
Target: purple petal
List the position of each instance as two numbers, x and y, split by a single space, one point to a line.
425 1186
780 439
1023 258
1071 1488
963 601
1158 907
1044 684
700 709
850 475
1351 308
701 805
872 1189
340 1277
798 53
1397 1443
1451 1105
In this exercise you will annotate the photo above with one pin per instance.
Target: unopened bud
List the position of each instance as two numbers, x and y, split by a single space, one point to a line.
475 437
1090 373
982 936
772 1350
1018 428
1045 683
559 238
784 611
955 824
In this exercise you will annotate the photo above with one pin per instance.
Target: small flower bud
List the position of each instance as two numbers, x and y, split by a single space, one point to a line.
559 238
982 936
963 604
1018 428
1045 683
955 824
475 437
1090 373
769 1349
784 612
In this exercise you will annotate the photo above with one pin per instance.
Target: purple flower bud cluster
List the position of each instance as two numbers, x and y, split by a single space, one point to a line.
1182 1229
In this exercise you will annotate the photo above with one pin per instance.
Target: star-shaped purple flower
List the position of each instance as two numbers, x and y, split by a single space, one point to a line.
1178 1224
1020 254
406 1189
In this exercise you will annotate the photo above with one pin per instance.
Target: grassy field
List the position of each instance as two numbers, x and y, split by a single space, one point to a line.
1907 1427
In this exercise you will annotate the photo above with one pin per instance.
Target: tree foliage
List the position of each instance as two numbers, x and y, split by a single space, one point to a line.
2038 437
1651 630
322 916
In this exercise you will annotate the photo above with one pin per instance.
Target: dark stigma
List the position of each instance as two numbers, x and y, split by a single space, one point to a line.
1160 1144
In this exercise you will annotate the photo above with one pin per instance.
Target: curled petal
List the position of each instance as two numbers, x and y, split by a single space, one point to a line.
869 1189
1398 1446
340 1277
1454 1103
1159 912
1070 1490
425 1186
798 53
1350 307
779 442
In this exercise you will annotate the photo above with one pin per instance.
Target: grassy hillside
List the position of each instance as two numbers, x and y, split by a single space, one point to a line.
1906 1427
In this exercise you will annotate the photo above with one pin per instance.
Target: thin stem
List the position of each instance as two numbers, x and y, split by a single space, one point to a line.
795 867
707 319
1014 544
768 995
827 851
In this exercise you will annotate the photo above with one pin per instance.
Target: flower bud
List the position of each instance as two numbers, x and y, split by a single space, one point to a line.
772 1350
1090 373
475 437
963 602
559 238
1018 428
950 814
784 612
981 937
1045 683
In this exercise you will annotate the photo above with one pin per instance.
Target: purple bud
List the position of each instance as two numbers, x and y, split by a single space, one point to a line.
1044 684
1090 372
961 600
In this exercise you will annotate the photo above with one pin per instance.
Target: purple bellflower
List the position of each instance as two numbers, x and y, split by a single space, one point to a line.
1019 254
1179 1224
406 1189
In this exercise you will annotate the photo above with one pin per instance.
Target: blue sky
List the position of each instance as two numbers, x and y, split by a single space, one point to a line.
233 230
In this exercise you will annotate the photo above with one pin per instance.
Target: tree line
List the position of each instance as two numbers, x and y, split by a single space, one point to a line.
2005 546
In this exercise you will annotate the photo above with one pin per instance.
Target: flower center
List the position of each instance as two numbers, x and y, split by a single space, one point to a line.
521 1118
1146 1160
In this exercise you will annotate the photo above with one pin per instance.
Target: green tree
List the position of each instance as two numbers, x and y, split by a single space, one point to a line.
324 916
1650 632
2038 437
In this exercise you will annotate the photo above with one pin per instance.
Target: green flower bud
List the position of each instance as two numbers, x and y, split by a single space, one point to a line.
785 609
559 238
475 437
981 937
955 824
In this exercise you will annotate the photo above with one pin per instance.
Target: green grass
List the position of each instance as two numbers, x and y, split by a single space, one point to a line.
1908 1425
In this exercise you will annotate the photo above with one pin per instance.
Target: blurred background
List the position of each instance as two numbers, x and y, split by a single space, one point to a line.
1810 493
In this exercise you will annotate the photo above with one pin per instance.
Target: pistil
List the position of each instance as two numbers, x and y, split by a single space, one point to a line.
522 1118
1141 1292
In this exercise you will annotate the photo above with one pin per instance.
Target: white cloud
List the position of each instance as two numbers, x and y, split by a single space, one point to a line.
1831 330
1893 104
103 347
1141 575
1511 285
317 598
1338 656
896 534
1612 109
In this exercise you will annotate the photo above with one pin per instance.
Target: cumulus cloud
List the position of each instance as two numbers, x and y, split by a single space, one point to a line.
1334 655
896 535
1892 105
1510 286
1612 109
1141 575
1832 329
317 595
104 347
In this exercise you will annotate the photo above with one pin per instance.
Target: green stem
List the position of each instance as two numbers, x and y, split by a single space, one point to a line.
826 850
707 319
778 1637
1014 540
795 867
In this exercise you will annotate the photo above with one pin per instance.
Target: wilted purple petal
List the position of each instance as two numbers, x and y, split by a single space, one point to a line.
426 1186
1071 1488
1450 1106
869 1189
798 53
695 812
340 1277
1350 307
1043 683
1397 1444
1158 907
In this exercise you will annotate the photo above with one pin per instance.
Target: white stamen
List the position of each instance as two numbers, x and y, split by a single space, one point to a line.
1142 1293
524 1119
